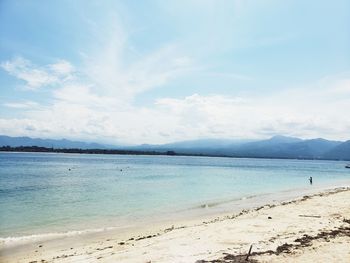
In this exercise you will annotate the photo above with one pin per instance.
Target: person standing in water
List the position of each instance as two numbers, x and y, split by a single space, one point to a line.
310 179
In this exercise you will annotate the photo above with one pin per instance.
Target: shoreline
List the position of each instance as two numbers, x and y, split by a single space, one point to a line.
119 240
165 154
197 212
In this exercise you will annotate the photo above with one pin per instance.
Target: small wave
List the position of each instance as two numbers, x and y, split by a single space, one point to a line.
251 196
48 236
227 201
214 204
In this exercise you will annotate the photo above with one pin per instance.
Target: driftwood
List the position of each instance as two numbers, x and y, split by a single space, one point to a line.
310 216
250 250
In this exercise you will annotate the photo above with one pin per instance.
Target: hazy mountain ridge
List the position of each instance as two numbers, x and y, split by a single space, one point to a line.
275 147
49 143
342 151
303 149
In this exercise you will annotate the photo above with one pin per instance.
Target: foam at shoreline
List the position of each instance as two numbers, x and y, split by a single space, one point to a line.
49 236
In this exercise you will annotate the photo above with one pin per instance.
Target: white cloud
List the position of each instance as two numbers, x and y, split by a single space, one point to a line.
341 86
76 93
95 102
62 67
24 70
110 72
37 77
101 109
78 113
21 105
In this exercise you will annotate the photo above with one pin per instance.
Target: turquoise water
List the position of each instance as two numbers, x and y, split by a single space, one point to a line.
42 193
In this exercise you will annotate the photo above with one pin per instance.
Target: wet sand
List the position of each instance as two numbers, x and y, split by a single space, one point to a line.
312 228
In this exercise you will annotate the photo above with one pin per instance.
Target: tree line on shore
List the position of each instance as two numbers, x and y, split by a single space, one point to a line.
85 151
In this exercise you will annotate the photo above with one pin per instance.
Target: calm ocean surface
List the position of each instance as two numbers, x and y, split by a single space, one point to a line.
41 193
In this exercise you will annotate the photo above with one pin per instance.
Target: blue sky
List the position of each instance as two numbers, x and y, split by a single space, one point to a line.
161 71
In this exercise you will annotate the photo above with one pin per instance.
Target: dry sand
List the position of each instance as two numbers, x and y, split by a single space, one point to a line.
309 229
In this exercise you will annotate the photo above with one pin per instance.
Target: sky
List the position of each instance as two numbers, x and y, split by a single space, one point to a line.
132 72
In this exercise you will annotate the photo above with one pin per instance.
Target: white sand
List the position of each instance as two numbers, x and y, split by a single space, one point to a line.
225 236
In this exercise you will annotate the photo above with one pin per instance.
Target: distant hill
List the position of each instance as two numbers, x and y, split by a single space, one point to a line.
49 143
315 148
340 152
285 147
275 147
201 146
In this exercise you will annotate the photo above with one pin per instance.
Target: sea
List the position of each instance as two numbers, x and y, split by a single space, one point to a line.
48 193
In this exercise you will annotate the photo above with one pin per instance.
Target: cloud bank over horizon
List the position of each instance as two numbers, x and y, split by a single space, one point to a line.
161 72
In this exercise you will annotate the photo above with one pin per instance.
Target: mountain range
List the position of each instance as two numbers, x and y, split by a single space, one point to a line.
275 147
48 143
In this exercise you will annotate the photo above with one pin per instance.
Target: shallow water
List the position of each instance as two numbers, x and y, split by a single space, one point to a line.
42 193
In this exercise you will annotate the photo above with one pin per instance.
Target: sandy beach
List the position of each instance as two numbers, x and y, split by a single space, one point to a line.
198 131
313 228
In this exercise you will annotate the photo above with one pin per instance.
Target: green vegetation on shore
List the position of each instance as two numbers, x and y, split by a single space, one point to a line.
77 150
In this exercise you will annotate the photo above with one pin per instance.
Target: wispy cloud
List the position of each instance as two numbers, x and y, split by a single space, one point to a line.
109 71
24 70
76 93
36 77
62 68
21 105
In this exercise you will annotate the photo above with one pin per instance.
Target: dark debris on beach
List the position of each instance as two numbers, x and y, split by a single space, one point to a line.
304 241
